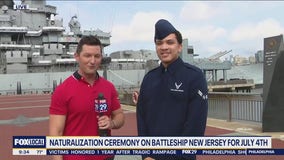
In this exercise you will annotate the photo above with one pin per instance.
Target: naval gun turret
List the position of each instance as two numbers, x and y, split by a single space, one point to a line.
216 57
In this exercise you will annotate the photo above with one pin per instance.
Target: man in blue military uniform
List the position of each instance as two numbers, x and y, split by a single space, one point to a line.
173 97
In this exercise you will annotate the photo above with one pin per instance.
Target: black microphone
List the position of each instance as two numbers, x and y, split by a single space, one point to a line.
100 108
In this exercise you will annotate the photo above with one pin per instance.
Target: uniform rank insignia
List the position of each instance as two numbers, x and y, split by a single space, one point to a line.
202 95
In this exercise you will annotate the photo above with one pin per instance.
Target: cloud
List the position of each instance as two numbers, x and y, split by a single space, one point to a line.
205 33
140 28
260 30
206 40
199 25
200 11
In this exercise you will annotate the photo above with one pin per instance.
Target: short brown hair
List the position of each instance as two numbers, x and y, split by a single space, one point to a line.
88 40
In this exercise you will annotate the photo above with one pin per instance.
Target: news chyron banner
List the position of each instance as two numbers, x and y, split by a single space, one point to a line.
221 145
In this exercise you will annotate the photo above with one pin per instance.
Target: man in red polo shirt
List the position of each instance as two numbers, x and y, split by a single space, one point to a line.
72 110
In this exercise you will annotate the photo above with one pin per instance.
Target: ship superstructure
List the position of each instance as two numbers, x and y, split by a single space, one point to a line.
32 39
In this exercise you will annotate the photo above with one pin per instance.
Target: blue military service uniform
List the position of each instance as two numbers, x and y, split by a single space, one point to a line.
172 100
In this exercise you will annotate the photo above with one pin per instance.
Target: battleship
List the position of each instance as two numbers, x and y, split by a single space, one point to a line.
33 40
36 54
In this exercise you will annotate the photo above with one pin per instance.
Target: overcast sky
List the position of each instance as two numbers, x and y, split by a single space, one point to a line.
210 26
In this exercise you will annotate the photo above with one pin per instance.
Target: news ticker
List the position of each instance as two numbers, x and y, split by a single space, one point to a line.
148 152
73 145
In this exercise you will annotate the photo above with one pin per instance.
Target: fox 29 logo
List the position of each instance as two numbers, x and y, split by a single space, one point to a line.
101 105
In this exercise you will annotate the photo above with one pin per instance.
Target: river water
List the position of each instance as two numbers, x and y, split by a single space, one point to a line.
252 71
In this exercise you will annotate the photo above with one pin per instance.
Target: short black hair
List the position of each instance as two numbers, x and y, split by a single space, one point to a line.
178 36
88 40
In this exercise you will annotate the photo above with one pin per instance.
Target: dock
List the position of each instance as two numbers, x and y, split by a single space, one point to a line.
233 85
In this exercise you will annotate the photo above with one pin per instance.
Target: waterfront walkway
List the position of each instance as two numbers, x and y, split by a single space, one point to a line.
28 115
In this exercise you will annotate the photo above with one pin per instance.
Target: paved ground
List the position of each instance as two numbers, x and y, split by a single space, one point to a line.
28 115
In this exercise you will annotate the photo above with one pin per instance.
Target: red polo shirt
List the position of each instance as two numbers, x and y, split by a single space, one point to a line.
75 99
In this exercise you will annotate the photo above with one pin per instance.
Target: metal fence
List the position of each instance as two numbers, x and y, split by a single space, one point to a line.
235 106
229 106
